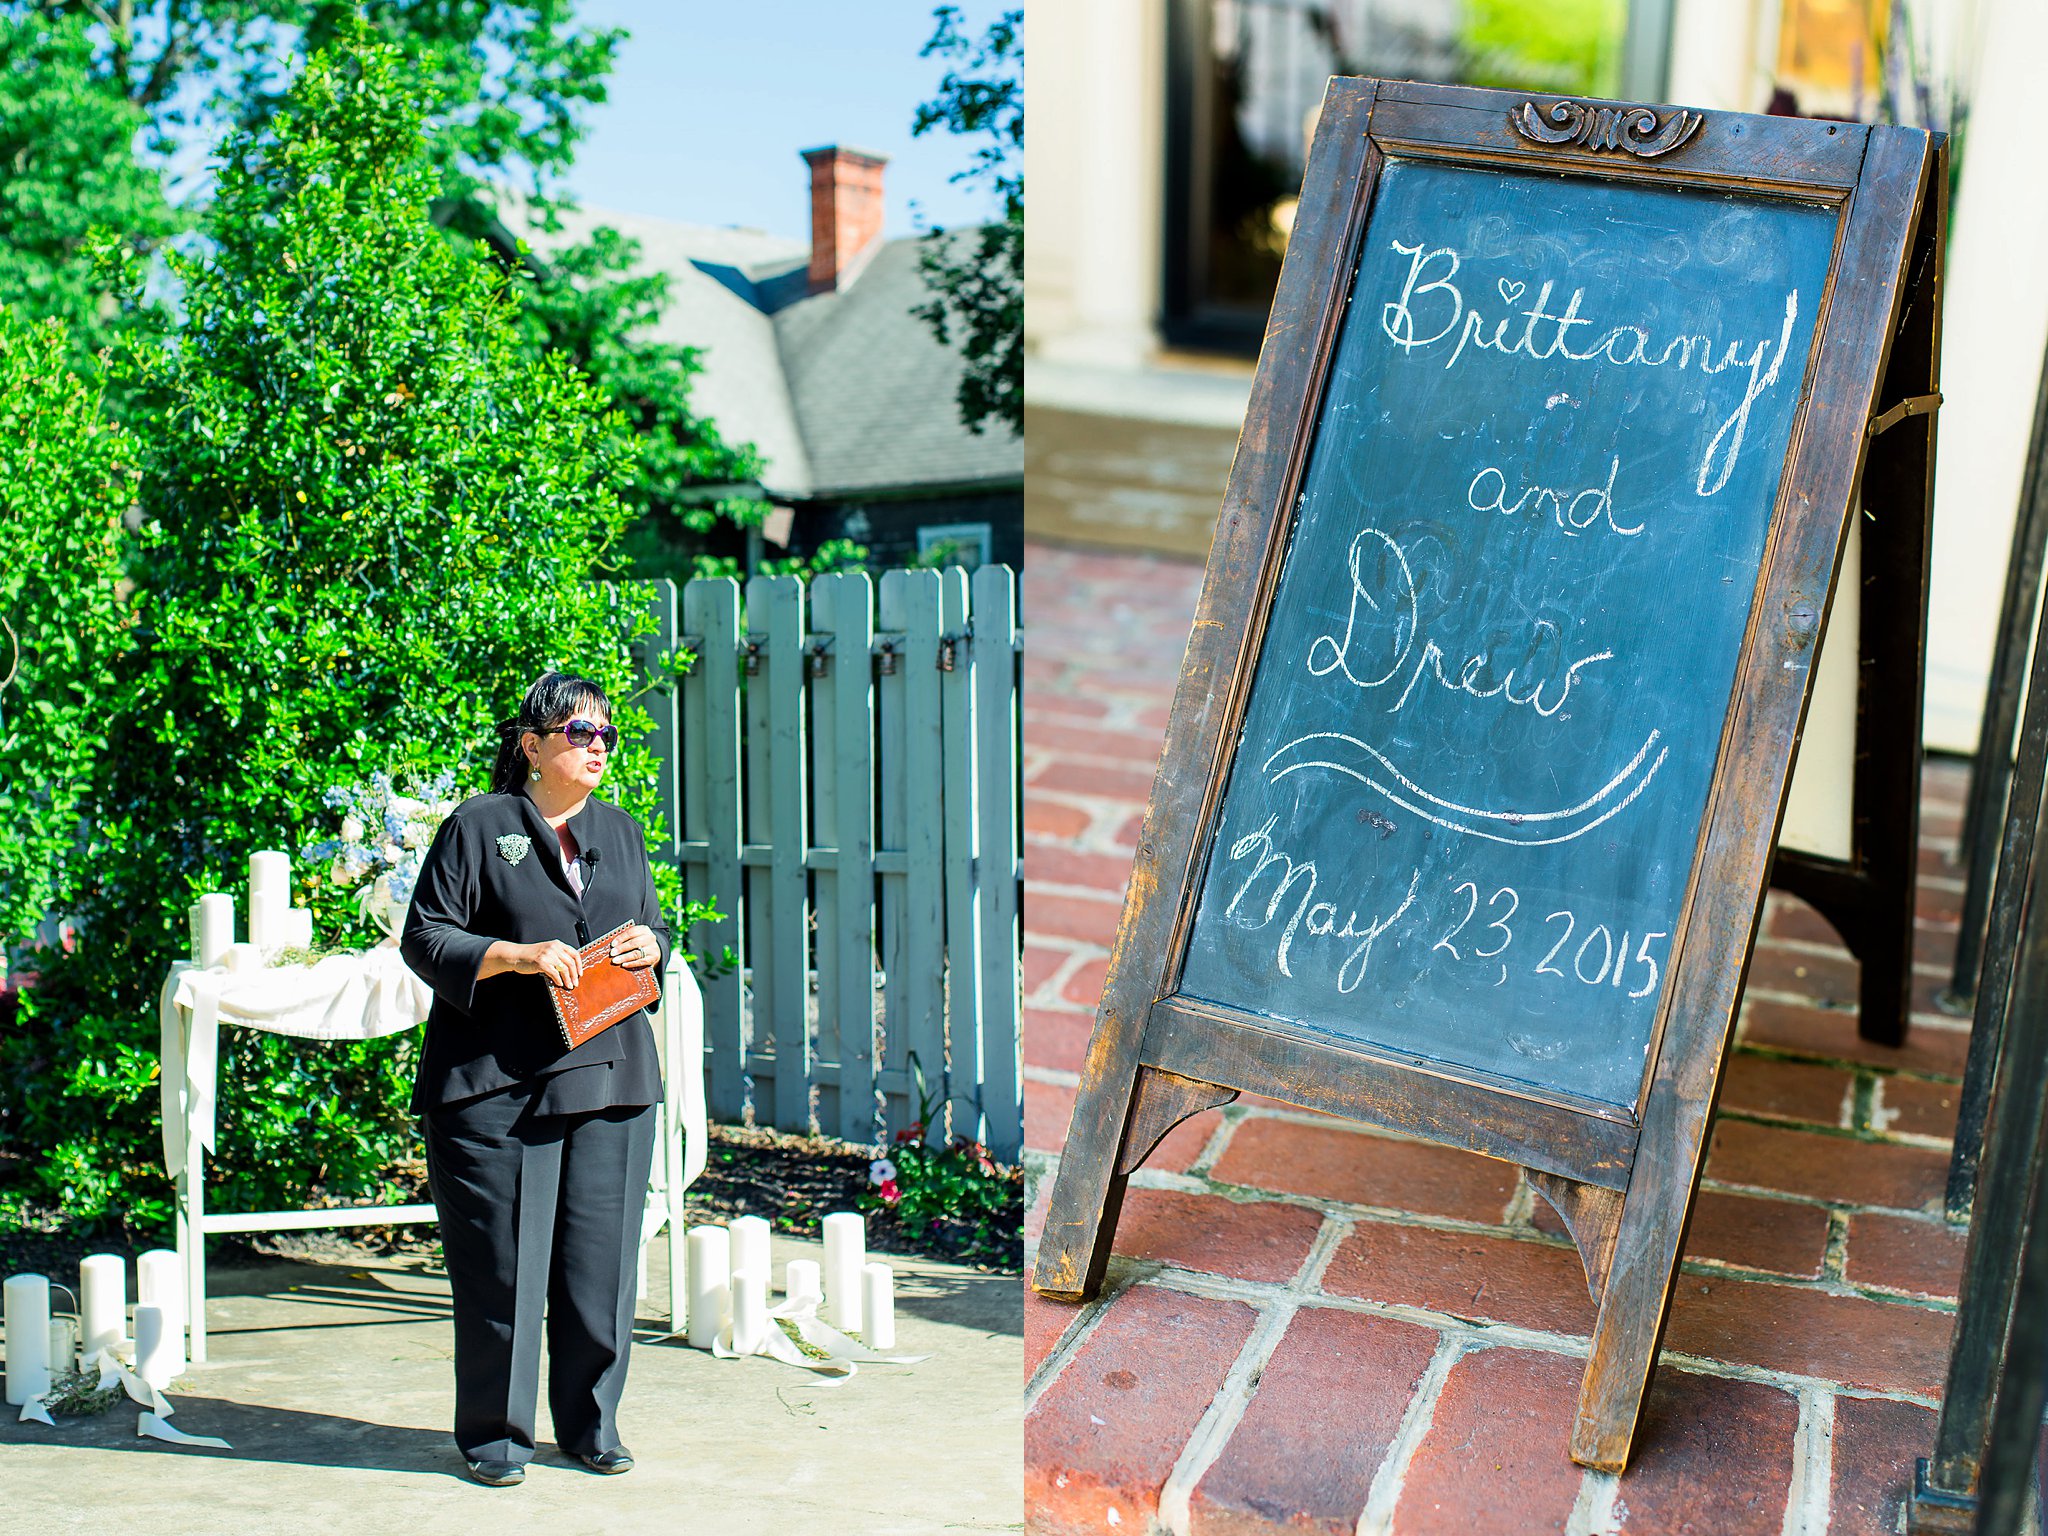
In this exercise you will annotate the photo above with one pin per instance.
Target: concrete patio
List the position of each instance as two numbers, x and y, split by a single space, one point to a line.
334 1386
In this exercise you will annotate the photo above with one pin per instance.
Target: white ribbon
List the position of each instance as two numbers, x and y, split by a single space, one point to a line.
843 1355
155 1428
157 1408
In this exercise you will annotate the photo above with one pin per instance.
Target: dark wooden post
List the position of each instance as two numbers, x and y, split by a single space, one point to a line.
1985 818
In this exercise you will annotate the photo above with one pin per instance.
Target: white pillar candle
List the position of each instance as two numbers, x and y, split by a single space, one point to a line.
750 1244
846 1250
154 1362
63 1345
102 1302
160 1283
270 896
216 927
25 1310
244 957
710 1261
801 1279
749 1310
878 1305
296 929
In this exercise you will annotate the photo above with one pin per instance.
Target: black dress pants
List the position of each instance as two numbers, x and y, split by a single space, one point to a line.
540 1215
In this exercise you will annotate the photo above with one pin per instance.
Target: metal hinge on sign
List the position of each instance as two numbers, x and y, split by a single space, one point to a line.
1912 405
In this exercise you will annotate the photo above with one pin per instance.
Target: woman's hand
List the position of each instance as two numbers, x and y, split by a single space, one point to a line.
561 963
636 948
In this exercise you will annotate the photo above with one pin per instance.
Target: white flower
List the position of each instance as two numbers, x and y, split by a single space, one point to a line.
881 1171
351 829
391 852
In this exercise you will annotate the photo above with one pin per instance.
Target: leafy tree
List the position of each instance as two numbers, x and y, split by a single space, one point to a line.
66 477
516 73
370 517
976 277
510 81
67 173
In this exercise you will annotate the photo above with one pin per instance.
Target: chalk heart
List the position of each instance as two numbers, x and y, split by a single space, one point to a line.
1510 290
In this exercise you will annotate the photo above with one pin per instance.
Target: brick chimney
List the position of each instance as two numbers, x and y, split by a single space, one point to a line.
846 210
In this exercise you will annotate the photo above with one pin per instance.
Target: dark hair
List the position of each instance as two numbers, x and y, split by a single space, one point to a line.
554 699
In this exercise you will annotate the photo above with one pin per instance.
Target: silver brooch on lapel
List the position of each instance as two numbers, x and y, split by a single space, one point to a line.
512 847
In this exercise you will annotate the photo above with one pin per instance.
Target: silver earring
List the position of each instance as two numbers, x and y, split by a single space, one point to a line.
533 775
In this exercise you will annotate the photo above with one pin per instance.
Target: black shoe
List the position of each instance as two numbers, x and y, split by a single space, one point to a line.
617 1459
498 1474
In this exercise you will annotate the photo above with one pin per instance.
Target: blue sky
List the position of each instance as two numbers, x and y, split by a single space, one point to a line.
711 101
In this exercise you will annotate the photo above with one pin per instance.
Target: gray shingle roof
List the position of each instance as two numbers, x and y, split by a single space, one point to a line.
875 392
842 393
715 306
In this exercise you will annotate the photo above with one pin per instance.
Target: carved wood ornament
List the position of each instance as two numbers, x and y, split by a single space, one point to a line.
1633 130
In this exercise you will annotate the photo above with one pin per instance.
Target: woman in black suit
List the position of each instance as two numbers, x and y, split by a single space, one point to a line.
538 1157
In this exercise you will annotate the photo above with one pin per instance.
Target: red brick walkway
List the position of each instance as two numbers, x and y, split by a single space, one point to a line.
1315 1327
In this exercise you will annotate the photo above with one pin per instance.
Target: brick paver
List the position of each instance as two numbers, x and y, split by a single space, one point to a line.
1333 1330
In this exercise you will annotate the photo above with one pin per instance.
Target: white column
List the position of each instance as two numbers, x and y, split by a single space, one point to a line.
1994 330
1097 172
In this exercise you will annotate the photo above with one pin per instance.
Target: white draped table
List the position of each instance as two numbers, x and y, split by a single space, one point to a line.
365 996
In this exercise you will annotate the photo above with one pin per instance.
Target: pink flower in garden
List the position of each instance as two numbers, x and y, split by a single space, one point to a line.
890 1193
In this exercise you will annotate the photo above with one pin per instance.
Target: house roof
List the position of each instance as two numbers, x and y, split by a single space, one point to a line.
842 393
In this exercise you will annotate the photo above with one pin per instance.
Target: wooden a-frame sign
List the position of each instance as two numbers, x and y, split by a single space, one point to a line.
1471 787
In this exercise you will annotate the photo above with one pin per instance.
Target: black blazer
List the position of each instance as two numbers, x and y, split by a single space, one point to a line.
477 885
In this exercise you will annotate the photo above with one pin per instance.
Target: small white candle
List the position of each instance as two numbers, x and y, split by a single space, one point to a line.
749 1310
160 1283
154 1362
878 1305
25 1309
244 957
296 929
709 1252
750 1244
63 1345
846 1250
102 1302
216 927
802 1278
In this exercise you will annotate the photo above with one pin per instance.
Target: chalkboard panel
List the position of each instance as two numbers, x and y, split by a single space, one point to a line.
1463 811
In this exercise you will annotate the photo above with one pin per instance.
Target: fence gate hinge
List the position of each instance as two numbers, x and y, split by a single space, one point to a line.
949 650
885 647
818 656
752 648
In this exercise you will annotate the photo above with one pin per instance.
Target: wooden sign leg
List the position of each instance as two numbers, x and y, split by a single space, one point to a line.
1637 1296
1870 901
1125 1109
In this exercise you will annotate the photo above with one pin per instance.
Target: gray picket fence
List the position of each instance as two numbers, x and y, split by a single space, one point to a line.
845 781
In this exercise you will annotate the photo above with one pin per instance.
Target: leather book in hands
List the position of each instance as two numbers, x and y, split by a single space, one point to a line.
607 993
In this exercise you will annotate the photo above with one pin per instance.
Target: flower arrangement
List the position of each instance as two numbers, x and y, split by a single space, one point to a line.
384 836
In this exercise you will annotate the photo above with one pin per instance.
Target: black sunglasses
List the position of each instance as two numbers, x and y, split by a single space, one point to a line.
582 733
